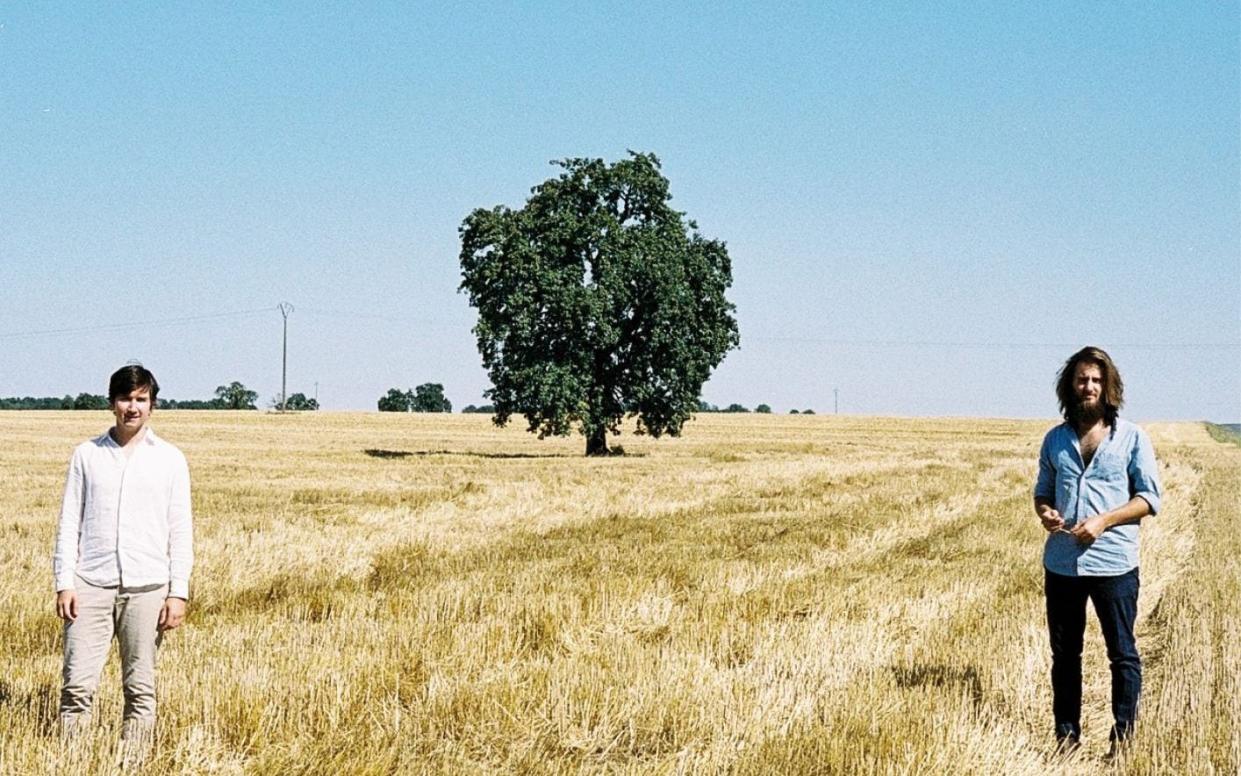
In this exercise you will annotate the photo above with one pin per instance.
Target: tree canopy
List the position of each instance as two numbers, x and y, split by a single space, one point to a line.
298 402
395 400
236 396
597 301
428 397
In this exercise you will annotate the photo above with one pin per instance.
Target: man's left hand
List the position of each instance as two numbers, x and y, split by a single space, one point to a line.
1089 529
173 614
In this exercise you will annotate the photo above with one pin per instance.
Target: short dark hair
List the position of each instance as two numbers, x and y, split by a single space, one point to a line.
1113 394
130 378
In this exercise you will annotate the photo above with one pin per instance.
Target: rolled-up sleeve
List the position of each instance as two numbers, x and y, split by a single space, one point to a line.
65 555
180 532
1045 485
1144 472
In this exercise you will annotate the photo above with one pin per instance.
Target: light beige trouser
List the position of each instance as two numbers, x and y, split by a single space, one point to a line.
132 615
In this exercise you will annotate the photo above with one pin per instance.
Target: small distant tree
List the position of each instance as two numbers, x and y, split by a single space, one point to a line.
396 400
735 408
236 396
299 402
485 409
704 406
429 397
794 412
764 409
807 412
90 401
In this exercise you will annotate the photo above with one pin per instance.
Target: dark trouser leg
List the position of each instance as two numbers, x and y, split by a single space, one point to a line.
1116 603
1066 625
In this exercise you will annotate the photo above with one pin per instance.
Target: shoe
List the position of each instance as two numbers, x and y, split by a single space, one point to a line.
1068 738
1119 748
1121 738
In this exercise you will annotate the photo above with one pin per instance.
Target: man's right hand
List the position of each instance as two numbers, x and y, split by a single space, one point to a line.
67 605
1051 519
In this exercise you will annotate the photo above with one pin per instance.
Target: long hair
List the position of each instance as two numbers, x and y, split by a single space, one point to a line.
1113 394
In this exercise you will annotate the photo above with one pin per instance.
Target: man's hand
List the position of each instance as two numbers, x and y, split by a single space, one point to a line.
67 605
173 614
1051 519
1086 531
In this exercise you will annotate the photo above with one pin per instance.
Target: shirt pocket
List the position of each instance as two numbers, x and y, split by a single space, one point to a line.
1112 468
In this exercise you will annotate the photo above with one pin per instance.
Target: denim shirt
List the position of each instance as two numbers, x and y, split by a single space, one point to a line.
1123 467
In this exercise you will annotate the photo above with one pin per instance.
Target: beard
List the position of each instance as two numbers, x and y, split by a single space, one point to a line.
1088 414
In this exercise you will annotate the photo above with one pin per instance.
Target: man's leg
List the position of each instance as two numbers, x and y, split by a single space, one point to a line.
1116 602
87 640
137 631
1066 625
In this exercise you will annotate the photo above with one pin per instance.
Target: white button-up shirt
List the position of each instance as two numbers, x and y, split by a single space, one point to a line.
126 520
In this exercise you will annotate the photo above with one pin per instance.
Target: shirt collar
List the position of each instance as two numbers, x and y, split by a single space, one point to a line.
148 438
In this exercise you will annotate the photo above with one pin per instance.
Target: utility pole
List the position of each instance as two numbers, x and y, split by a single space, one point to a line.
316 393
285 308
836 400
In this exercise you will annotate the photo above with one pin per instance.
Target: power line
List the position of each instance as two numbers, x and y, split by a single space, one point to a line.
318 311
832 341
133 324
962 344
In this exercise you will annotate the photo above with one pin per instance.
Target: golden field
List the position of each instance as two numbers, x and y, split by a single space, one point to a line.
767 594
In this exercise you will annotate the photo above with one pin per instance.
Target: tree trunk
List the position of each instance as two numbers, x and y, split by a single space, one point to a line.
597 441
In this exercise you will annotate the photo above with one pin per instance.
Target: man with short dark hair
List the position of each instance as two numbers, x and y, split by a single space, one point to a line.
1097 479
122 561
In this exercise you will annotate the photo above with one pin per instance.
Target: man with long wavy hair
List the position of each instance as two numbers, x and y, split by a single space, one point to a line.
1097 479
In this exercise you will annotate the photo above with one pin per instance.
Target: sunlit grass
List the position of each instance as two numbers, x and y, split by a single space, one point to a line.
428 594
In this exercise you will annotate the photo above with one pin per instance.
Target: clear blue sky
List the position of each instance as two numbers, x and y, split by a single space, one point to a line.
928 206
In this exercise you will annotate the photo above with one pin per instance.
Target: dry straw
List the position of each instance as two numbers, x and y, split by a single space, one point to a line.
765 595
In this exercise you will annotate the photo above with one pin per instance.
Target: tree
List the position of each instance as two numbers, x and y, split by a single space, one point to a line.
735 408
236 396
90 401
763 409
396 400
597 301
298 401
429 397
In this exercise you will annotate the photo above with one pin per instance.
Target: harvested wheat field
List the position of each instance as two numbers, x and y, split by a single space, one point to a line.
381 594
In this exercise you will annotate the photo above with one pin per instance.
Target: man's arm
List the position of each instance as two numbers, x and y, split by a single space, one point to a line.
1093 527
180 533
180 549
1045 489
65 554
1052 519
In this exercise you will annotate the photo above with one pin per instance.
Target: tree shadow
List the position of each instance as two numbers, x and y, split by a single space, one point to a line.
940 676
375 453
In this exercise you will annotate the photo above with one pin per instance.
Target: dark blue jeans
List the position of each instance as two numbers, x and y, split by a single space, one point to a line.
1115 602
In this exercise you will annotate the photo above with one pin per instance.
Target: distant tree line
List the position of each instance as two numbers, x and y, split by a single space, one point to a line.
762 409
83 401
234 396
